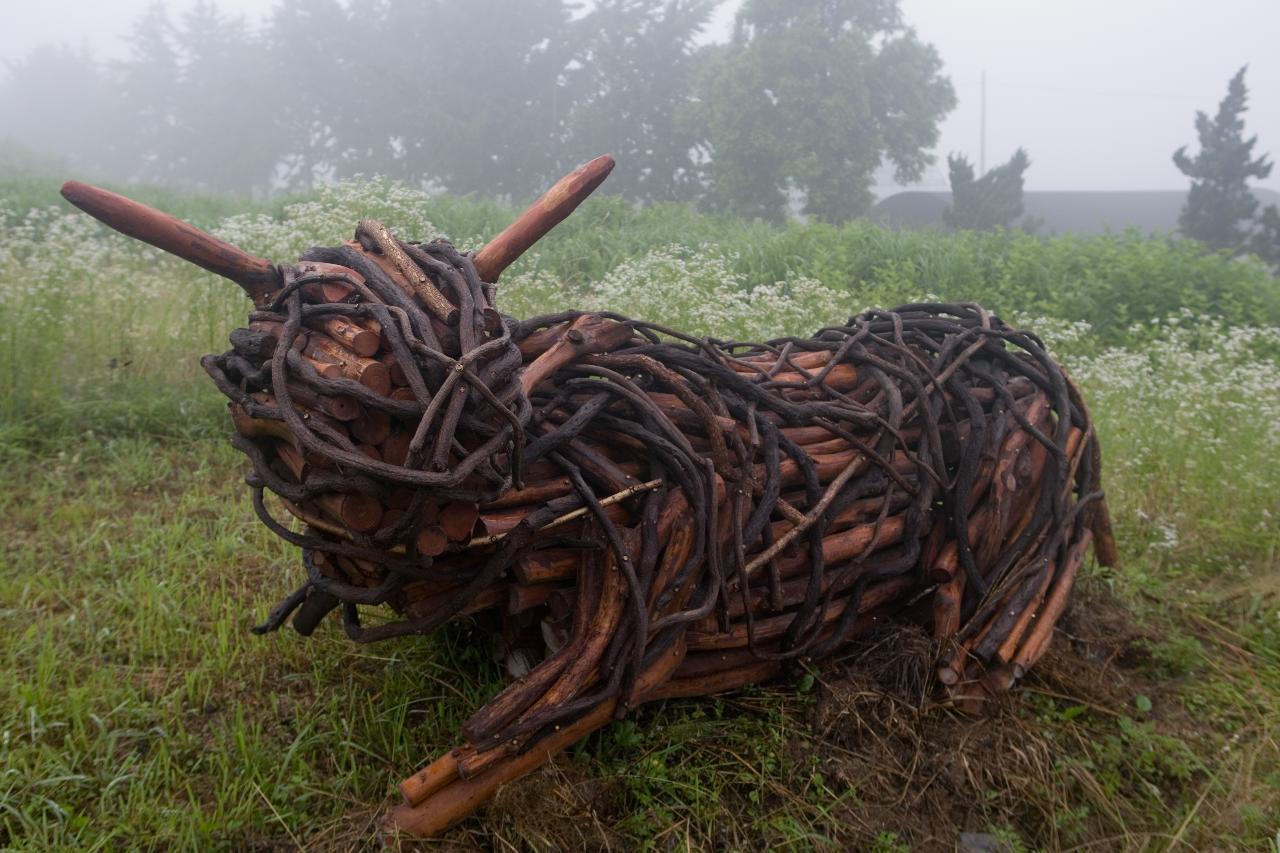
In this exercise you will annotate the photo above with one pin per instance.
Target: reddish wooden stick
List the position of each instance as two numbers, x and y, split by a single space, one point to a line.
258 276
451 802
1037 640
434 776
543 215
589 333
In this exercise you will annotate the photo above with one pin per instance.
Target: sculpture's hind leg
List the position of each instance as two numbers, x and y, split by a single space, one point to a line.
439 796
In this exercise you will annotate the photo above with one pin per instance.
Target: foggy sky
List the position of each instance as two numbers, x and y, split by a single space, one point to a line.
1100 92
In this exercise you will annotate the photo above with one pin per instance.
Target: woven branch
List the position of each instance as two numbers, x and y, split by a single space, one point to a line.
641 514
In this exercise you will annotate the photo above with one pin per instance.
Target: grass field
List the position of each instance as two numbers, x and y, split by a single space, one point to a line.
139 712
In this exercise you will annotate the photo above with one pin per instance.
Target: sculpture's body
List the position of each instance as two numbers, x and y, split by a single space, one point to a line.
641 515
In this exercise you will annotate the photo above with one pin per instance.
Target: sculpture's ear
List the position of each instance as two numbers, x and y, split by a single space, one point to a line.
543 215
258 276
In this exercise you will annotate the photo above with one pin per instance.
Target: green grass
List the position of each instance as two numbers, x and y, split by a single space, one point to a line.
139 712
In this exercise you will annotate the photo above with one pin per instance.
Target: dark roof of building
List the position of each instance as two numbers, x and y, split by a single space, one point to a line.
1060 212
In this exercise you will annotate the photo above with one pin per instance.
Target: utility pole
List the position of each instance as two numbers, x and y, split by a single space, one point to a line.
982 138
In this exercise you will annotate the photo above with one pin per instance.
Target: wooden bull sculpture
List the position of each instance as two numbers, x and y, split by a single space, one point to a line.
636 513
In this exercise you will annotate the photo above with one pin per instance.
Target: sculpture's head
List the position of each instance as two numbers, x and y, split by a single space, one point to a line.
377 392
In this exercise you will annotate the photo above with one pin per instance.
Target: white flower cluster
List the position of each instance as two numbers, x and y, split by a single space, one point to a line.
329 216
1060 336
694 290
1189 417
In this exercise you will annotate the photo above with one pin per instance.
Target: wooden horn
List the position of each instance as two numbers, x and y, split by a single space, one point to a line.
258 276
541 216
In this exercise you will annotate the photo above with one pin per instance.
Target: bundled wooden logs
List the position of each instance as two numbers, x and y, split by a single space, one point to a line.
635 512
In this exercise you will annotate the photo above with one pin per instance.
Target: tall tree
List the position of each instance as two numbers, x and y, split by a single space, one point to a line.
315 103
632 92
467 95
991 201
1220 205
222 135
473 92
809 98
193 104
147 99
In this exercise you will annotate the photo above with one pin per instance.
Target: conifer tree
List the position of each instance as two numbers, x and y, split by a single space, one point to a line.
1220 206
991 201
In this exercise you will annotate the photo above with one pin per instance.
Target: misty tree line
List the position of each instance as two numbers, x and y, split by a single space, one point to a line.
804 105
499 97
